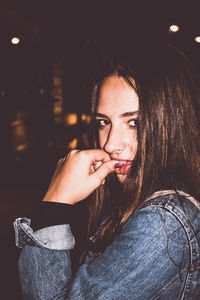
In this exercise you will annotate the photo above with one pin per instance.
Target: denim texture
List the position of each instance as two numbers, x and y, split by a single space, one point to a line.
156 256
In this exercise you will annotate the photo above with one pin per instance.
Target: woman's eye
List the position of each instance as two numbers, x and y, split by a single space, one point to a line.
132 123
101 123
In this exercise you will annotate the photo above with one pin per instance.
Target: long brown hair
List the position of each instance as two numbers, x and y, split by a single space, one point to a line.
168 136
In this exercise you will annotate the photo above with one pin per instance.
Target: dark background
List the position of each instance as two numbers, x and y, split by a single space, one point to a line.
45 88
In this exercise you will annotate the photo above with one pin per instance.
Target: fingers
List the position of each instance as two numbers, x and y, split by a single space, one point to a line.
96 165
96 155
93 155
104 170
75 179
103 182
94 162
72 152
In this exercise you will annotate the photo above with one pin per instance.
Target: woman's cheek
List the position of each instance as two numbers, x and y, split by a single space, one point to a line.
102 139
134 145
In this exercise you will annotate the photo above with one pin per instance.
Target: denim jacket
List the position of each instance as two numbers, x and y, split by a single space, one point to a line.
156 256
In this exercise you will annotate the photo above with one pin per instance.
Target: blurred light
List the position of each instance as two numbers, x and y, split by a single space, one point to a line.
42 91
71 119
15 40
86 118
19 132
57 109
15 123
2 93
21 147
174 28
73 144
197 39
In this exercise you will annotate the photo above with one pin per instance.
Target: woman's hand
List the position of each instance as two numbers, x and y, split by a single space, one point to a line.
78 175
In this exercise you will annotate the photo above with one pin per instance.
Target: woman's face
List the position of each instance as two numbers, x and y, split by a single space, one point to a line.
116 116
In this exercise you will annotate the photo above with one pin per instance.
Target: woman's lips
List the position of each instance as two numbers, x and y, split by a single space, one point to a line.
123 167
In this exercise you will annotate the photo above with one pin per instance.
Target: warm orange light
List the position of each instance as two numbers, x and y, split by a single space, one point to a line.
21 147
15 40
197 39
71 119
73 144
57 109
174 28
86 118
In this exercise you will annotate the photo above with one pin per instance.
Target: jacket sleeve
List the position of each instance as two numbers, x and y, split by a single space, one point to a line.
141 263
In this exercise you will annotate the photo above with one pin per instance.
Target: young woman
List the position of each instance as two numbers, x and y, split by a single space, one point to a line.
141 182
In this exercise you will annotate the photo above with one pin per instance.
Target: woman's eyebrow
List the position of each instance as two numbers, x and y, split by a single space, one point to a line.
100 115
123 115
130 114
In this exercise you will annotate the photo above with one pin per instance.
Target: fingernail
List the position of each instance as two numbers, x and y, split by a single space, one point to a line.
118 165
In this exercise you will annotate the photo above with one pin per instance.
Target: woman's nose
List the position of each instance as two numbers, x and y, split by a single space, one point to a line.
114 142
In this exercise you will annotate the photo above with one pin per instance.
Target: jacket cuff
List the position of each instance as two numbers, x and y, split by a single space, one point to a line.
58 237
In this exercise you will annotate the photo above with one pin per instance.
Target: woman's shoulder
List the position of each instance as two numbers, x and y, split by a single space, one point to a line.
168 208
175 197
177 202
